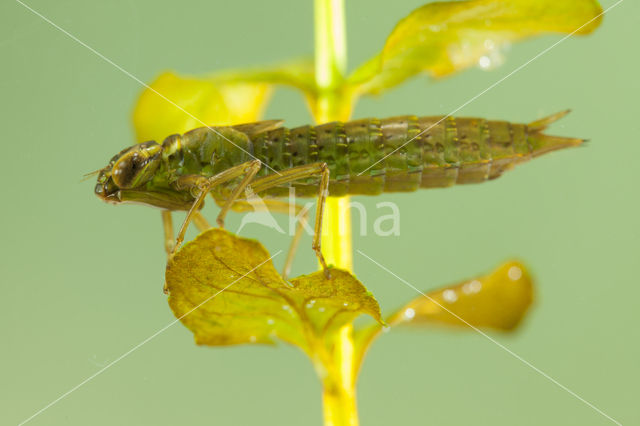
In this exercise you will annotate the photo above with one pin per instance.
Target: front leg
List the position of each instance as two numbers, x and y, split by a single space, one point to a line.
167 225
169 242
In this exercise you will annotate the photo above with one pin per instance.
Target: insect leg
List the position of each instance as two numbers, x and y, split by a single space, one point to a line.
253 168
205 185
200 222
169 243
167 225
292 175
300 212
277 206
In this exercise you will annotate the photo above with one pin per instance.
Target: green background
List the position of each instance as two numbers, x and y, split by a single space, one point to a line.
81 280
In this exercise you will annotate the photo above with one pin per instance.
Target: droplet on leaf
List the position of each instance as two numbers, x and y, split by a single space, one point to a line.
450 296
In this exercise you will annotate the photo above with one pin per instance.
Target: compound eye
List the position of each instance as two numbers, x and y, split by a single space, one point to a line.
127 168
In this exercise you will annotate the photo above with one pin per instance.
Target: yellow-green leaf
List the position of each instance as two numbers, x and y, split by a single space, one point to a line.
223 98
299 74
498 300
226 291
199 101
443 37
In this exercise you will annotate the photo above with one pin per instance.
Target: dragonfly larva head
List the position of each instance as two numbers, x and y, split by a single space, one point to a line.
126 176
130 168
129 178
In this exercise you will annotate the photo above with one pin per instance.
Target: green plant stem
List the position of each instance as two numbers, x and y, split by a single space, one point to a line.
337 374
331 52
331 103
330 61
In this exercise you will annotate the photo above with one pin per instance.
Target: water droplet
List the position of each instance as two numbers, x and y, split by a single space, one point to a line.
409 313
514 273
252 339
270 321
321 309
493 59
489 44
449 296
311 303
484 62
345 304
472 287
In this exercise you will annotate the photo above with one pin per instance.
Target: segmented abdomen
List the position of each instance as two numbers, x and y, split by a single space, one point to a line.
371 156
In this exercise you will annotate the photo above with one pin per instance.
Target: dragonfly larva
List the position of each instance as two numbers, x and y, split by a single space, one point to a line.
367 156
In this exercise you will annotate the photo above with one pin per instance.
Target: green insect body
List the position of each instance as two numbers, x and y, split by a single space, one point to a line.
368 156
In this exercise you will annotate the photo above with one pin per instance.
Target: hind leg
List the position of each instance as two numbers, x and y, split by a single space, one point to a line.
300 213
294 174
